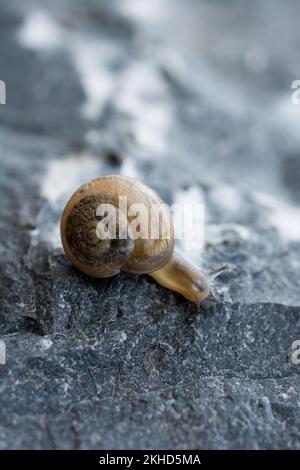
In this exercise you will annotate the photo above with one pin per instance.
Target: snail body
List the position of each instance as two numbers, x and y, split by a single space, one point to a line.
88 210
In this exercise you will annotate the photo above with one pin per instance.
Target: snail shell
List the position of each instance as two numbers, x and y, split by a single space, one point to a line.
104 258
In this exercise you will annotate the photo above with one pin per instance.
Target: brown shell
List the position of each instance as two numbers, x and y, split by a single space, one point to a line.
100 258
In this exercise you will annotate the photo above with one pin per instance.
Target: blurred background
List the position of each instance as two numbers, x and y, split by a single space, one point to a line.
194 98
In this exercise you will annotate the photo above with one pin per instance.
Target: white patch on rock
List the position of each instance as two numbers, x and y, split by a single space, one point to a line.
20 304
144 10
142 98
46 343
90 57
226 197
281 215
122 337
91 60
39 31
129 168
64 176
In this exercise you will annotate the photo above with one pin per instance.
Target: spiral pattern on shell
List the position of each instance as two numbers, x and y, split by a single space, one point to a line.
106 257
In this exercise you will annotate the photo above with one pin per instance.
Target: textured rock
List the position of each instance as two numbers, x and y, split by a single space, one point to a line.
189 101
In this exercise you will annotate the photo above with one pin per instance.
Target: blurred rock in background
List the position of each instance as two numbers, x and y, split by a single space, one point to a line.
194 99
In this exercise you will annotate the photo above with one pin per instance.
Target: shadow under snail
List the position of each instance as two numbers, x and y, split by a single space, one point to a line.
102 257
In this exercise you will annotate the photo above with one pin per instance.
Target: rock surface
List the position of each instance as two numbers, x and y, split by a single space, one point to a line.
193 99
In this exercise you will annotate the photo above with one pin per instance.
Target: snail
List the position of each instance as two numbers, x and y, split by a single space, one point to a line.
101 247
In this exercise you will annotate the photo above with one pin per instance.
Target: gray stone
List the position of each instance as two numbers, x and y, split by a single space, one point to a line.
187 100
